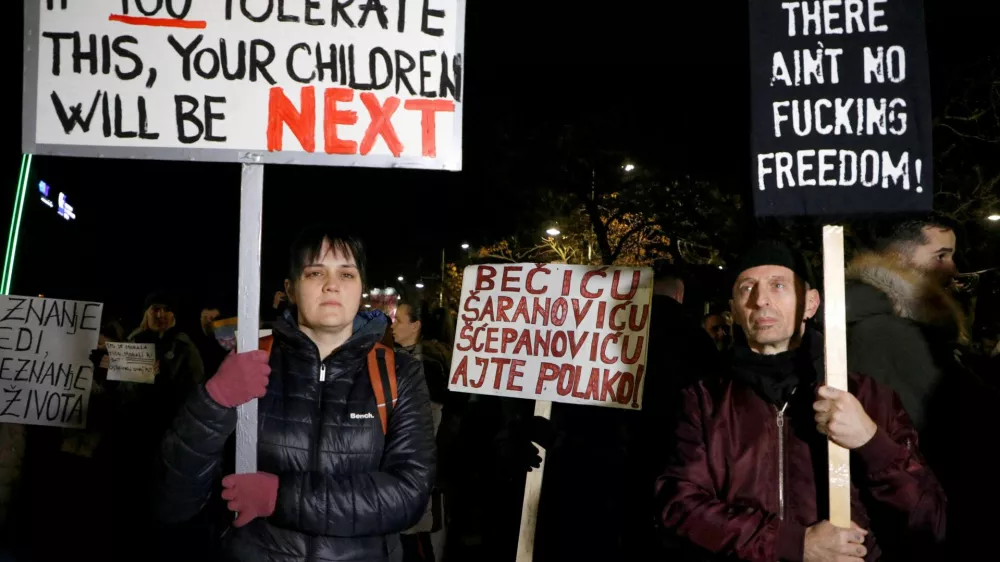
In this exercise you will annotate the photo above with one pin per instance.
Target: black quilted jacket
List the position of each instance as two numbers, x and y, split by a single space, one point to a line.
345 489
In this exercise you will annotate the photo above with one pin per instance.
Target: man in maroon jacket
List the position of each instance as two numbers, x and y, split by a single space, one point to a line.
748 480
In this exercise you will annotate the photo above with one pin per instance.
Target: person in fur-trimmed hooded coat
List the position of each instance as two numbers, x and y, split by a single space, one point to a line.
903 331
903 328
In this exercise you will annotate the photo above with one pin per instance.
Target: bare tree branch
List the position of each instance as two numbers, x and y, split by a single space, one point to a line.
973 137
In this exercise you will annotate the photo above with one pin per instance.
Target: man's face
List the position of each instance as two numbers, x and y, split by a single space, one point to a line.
936 256
159 318
771 304
715 325
328 293
404 331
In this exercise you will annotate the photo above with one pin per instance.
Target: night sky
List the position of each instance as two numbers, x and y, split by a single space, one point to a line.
674 75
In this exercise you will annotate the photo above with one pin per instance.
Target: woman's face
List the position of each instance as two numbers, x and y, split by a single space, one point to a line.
405 332
328 293
159 318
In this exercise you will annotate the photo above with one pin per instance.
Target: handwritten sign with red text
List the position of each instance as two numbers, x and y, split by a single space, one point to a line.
564 333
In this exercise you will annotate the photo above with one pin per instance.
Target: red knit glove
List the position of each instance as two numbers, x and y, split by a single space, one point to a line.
241 378
250 495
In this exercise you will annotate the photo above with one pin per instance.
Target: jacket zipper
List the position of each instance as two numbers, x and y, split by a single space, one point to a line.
311 550
319 417
781 456
781 462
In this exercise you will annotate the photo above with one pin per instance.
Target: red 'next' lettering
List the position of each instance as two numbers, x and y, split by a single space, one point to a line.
281 112
428 121
332 143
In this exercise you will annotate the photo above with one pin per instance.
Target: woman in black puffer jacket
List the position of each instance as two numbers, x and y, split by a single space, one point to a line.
331 486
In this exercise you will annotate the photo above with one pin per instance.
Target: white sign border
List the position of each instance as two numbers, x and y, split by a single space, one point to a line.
29 117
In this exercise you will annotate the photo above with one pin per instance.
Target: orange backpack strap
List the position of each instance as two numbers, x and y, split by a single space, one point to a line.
265 344
382 373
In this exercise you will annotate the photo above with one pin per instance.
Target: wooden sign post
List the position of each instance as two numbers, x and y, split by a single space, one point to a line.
552 333
532 496
836 367
839 131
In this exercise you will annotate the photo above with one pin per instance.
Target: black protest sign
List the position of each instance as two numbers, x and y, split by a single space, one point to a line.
45 367
840 107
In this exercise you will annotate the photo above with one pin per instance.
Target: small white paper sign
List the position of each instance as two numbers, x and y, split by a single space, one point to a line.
132 362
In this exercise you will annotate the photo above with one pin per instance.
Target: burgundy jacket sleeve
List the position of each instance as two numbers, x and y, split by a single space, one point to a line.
693 512
895 472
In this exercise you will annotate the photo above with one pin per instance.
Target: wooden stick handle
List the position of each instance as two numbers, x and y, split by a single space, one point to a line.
836 367
532 495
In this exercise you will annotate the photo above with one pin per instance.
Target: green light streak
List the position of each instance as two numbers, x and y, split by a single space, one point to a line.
13 221
13 215
15 224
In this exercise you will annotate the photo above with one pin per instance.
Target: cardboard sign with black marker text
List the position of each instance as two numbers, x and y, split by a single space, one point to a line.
323 82
45 366
841 113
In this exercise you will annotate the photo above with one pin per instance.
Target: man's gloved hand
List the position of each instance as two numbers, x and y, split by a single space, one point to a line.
250 495
515 444
96 356
241 378
541 430
100 359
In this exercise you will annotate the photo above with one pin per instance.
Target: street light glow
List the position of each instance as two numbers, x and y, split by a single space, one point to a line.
552 231
420 285
629 167
465 246
993 218
400 278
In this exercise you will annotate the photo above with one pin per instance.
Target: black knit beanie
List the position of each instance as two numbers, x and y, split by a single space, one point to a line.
772 252
162 298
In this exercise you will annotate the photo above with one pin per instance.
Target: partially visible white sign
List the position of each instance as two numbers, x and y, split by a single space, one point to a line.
45 367
132 362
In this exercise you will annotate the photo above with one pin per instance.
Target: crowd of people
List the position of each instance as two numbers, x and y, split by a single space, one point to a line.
364 454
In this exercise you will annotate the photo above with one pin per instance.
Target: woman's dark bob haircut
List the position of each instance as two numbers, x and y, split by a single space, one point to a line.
308 246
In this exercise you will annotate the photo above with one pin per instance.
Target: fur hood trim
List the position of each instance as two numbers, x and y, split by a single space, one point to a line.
913 294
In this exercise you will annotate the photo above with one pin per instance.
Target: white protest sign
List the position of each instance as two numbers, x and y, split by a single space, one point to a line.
563 333
45 367
132 362
330 82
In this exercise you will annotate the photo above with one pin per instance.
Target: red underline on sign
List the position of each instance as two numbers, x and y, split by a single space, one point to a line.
158 22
